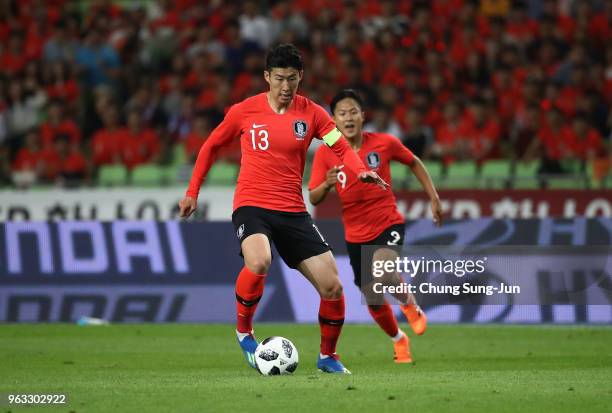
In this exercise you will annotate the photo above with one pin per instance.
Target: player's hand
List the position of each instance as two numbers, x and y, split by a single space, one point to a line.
436 211
187 206
372 177
332 177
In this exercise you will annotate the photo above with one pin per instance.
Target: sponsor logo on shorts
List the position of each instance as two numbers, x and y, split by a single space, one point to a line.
240 231
300 128
373 159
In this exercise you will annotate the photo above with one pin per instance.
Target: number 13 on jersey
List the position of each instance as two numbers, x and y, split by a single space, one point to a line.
259 139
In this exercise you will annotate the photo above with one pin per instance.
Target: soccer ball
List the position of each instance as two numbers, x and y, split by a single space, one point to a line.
276 355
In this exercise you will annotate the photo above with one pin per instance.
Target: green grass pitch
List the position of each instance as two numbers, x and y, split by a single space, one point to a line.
199 368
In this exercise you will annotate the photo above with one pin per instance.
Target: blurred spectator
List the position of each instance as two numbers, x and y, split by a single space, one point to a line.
93 112
5 168
106 143
24 110
448 143
179 122
523 132
481 129
549 143
3 115
63 163
13 58
283 20
147 102
520 27
539 65
60 47
29 163
61 83
581 141
58 125
173 95
391 17
254 26
206 43
236 48
96 60
139 145
419 137
199 132
383 122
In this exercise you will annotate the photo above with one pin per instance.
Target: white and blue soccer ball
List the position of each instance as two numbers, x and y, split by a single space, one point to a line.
275 356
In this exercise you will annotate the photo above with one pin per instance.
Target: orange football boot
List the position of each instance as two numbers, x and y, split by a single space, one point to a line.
401 350
416 317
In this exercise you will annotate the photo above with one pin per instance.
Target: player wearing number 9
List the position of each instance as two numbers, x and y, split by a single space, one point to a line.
371 218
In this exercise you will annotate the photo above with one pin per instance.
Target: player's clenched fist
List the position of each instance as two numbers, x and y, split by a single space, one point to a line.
187 206
331 178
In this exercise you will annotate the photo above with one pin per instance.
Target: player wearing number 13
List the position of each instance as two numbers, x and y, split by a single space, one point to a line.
374 228
275 130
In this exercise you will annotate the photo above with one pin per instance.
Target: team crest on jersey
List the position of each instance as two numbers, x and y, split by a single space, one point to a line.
300 128
373 159
240 231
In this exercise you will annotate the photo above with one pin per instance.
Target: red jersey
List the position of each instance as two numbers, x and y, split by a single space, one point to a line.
554 146
49 132
106 146
366 211
138 148
582 148
54 164
192 144
27 160
273 151
68 90
480 135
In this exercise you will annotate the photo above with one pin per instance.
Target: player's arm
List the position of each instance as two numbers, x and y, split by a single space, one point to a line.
404 155
326 129
322 177
227 130
319 192
317 186
342 149
419 170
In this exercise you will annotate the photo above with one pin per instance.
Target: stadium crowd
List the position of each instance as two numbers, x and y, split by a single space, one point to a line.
91 83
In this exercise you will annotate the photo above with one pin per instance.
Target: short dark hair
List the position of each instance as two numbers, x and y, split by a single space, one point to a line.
284 55
344 94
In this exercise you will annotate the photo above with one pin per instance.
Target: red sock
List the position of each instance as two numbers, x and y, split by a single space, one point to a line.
249 289
331 319
384 317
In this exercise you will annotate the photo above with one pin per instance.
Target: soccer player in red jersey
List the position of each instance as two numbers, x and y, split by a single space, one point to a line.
373 226
275 129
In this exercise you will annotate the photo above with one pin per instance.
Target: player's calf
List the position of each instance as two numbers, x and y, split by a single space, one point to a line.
249 290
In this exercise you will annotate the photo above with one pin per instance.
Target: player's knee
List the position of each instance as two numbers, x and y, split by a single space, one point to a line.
259 265
332 290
